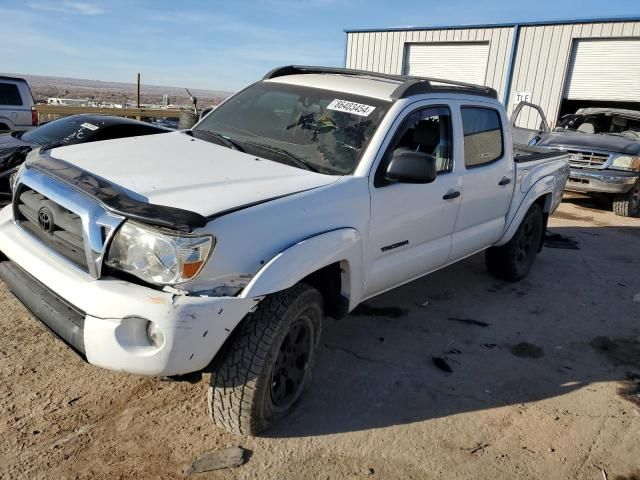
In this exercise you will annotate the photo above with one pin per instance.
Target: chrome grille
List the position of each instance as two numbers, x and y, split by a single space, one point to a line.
582 159
54 225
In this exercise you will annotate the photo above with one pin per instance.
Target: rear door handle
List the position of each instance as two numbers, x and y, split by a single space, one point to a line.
451 195
504 181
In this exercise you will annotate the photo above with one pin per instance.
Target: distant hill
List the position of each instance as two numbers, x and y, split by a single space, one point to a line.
116 92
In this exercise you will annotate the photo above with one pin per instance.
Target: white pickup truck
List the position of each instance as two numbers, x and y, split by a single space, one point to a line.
222 248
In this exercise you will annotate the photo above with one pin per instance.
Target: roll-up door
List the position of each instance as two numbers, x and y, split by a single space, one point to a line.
464 62
604 70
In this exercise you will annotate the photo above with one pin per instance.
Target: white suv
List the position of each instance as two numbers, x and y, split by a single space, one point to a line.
16 105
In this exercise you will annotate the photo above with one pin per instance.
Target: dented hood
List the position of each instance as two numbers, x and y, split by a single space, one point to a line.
180 171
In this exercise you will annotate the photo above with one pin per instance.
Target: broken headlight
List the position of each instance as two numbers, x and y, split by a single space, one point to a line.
626 162
158 256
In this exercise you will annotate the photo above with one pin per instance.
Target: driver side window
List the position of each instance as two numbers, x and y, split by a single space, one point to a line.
427 130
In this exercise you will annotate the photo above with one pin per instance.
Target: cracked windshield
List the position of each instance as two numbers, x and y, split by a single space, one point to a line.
308 128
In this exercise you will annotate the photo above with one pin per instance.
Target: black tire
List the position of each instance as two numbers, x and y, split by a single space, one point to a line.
513 260
266 364
628 205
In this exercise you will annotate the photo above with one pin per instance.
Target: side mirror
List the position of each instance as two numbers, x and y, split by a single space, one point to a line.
412 167
205 112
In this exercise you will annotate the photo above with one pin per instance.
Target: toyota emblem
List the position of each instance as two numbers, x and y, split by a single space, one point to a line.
45 220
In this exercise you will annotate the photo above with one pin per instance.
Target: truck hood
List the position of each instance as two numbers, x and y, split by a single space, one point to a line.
180 171
587 141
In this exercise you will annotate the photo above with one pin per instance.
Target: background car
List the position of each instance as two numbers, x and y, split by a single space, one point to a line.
15 146
16 105
604 144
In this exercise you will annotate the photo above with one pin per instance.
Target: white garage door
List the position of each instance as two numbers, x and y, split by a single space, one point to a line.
604 70
464 62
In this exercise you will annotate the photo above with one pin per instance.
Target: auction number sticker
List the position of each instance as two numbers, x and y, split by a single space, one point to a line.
354 108
90 126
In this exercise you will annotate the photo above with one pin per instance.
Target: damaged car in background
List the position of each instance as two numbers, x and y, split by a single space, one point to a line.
222 248
15 146
604 149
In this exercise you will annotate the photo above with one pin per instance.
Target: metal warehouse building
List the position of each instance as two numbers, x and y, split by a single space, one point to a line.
561 65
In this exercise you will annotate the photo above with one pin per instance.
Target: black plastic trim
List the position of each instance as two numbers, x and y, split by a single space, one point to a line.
115 198
393 246
65 320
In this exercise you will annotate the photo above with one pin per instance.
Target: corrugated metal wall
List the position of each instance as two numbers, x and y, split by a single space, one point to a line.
540 63
384 51
544 53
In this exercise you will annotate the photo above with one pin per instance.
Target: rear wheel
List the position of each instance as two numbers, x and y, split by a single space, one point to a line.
513 260
628 205
267 363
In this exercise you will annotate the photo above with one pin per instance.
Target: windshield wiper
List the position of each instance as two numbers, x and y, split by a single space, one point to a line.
284 153
218 136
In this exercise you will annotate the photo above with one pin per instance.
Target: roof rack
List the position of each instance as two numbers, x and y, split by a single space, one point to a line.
409 85
13 79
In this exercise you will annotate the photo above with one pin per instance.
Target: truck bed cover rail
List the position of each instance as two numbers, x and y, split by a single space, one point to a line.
526 153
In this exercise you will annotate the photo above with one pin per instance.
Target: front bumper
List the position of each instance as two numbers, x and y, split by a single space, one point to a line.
106 319
601 181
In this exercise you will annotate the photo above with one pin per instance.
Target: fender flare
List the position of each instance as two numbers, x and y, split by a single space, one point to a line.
288 267
544 186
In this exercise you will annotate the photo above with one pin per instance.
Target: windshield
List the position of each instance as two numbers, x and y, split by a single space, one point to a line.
65 131
320 130
601 123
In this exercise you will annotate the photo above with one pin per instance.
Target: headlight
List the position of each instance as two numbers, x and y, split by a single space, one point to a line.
626 162
158 256
12 180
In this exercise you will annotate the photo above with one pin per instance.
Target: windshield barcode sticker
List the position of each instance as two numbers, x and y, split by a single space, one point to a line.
351 107
90 126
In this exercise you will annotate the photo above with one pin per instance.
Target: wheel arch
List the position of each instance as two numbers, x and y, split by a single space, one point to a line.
545 202
541 193
6 124
332 262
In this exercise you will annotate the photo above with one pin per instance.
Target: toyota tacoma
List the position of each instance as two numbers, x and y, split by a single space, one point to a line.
222 248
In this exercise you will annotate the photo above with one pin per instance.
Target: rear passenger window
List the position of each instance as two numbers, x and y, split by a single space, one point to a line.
482 136
9 94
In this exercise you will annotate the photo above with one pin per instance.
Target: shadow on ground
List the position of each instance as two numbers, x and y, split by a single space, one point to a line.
597 202
376 369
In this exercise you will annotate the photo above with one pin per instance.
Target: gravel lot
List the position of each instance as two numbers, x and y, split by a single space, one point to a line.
545 390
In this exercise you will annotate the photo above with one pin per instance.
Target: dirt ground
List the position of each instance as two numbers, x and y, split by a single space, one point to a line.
545 390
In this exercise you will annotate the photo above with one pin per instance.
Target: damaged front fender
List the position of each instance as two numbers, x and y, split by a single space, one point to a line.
290 266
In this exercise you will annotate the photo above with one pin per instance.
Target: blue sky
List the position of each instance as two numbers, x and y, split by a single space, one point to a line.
224 45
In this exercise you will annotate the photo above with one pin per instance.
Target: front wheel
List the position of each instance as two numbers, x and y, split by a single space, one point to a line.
628 205
513 260
267 362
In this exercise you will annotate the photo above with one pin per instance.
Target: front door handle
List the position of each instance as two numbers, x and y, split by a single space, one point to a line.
504 181
451 195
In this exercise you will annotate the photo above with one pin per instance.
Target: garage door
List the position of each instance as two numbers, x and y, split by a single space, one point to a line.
604 70
464 62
